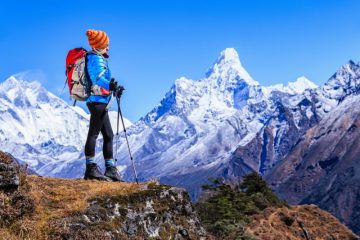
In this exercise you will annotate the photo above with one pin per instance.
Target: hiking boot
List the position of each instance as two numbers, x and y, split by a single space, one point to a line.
92 172
112 173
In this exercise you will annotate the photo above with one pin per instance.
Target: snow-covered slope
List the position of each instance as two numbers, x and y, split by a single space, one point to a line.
39 128
30 114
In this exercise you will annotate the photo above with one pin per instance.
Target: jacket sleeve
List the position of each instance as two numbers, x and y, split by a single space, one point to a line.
97 66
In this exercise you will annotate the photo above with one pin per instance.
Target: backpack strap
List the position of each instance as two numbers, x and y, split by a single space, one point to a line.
63 87
87 77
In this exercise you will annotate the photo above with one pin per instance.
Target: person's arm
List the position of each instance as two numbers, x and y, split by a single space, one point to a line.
96 66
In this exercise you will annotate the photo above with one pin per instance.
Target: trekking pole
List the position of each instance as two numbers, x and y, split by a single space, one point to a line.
117 133
127 141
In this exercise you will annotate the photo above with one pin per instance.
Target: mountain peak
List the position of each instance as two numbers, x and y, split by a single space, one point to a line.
21 91
229 54
14 82
350 66
9 83
344 81
351 62
228 66
346 71
301 84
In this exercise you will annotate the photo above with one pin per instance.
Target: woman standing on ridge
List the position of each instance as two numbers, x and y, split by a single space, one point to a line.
101 88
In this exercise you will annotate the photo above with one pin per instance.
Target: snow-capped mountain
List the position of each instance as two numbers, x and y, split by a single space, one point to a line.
39 128
33 115
225 124
198 125
297 87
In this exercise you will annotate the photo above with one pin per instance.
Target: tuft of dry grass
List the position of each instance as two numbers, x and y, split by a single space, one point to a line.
57 197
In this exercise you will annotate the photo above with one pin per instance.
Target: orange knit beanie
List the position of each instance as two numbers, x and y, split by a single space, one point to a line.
97 39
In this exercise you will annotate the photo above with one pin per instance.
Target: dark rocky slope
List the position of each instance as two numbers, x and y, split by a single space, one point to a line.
324 167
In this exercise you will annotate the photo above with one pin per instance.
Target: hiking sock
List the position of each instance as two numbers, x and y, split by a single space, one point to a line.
109 163
90 160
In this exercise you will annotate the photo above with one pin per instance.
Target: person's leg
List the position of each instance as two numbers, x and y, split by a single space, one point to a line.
108 136
96 122
97 111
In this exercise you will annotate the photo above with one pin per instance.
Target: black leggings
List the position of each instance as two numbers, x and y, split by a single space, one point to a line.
99 121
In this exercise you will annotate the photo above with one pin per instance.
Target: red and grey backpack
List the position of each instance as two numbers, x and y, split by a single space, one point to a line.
77 77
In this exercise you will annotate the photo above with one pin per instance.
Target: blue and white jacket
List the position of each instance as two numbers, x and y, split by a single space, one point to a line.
100 76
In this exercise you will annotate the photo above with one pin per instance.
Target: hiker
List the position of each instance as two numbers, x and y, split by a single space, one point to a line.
102 85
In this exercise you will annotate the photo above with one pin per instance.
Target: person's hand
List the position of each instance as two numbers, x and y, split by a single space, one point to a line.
119 91
113 85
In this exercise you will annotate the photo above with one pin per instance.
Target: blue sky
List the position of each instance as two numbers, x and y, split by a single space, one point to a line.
152 43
